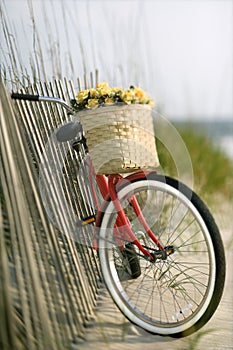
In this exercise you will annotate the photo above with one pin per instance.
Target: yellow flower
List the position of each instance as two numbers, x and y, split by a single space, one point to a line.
127 96
142 97
92 103
109 101
82 95
116 90
104 91
147 100
102 85
139 93
94 93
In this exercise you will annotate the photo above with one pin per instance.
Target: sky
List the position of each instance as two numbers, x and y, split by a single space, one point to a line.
179 51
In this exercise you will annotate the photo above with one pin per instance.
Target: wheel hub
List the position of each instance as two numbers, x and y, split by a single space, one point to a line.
162 254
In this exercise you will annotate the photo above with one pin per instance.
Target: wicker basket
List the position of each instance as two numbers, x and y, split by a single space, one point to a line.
120 138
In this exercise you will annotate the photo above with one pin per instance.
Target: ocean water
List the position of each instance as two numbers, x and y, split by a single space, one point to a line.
220 132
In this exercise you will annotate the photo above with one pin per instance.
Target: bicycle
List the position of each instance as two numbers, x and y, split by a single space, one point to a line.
160 250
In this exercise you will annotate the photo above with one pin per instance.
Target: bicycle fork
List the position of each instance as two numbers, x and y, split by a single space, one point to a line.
123 222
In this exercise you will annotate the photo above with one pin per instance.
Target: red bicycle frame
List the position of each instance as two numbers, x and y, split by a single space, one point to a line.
107 185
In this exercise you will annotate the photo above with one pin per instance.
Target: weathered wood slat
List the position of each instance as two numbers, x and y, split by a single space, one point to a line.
49 280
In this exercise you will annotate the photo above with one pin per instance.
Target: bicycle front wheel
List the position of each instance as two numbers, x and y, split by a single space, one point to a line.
176 295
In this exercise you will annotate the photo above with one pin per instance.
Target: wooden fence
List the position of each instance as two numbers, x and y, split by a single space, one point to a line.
49 272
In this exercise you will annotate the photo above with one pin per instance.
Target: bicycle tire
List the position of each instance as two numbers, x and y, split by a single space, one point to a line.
177 296
133 260
126 262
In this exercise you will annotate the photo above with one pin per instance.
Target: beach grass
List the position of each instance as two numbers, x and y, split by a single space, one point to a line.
212 168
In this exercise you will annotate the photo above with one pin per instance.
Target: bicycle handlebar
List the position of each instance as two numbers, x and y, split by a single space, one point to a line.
66 132
26 97
38 98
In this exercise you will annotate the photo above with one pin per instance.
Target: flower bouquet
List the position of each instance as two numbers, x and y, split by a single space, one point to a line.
119 128
103 95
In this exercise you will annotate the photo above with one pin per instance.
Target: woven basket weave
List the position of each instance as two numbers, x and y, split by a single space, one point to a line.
120 138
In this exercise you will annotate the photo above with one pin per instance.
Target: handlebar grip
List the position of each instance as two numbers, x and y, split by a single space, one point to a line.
26 97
